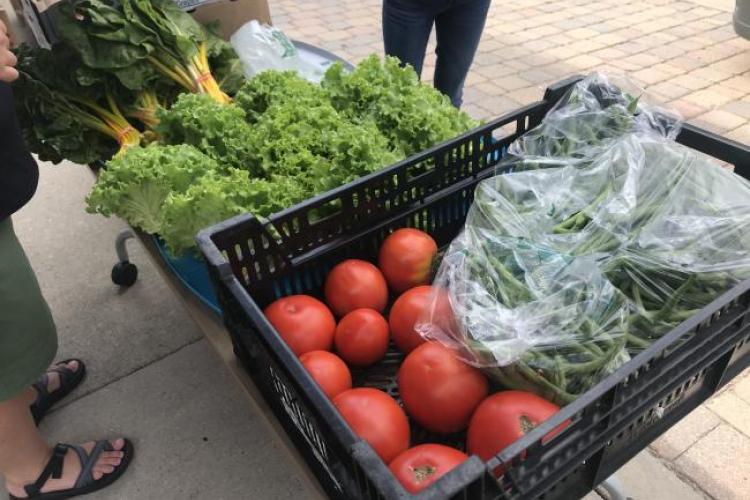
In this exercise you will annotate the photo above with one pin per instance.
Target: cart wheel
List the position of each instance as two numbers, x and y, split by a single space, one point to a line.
124 273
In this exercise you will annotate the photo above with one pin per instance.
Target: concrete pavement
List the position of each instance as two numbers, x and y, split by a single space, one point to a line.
194 433
151 375
115 331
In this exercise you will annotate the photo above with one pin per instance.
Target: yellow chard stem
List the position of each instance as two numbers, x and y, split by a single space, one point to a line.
206 80
103 121
145 108
115 109
122 131
203 55
94 123
176 74
93 106
185 75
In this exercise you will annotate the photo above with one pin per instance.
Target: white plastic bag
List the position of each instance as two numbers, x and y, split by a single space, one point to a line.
261 47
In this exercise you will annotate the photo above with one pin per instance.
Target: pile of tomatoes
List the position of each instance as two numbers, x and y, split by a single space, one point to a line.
438 390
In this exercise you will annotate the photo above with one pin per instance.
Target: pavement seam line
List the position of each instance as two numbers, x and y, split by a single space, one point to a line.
681 475
729 424
70 400
701 436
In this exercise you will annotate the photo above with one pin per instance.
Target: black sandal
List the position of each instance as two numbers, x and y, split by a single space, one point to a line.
69 380
85 483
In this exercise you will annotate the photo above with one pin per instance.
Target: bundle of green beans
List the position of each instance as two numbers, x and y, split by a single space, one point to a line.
576 257
535 319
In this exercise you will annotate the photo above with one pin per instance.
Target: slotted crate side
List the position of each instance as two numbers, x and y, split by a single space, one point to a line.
612 422
291 401
264 354
623 414
262 259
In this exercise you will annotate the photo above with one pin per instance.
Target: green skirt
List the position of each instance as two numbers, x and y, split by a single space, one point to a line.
28 340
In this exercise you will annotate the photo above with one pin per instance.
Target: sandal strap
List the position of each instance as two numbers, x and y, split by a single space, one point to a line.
88 461
63 371
41 388
53 469
42 393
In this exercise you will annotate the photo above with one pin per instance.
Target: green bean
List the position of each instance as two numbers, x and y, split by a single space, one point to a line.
558 375
565 226
510 280
637 341
559 394
591 345
680 316
675 298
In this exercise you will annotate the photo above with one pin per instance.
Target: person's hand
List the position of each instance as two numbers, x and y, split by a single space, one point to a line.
7 58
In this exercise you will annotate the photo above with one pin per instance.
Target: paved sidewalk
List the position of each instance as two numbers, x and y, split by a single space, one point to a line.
151 375
684 53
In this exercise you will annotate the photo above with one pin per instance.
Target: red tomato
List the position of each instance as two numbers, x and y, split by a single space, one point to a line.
439 390
304 322
405 312
329 371
441 314
375 417
406 258
354 284
419 467
362 337
503 418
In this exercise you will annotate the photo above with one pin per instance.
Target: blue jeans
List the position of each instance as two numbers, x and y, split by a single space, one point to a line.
458 26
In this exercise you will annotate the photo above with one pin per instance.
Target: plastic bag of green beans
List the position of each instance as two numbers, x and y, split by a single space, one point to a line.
574 258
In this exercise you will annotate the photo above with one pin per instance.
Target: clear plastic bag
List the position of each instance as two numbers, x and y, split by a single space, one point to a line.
689 239
599 235
262 47
595 112
523 307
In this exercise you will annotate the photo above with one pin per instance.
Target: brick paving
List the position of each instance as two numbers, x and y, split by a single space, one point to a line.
683 52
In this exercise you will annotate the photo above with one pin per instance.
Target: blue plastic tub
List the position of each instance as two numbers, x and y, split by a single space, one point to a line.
191 270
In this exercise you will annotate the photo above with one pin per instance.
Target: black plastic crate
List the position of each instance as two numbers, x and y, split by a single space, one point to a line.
253 263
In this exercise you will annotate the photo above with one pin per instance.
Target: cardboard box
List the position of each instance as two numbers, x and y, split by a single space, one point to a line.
231 14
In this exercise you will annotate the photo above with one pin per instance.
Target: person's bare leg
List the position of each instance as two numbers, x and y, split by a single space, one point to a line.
24 452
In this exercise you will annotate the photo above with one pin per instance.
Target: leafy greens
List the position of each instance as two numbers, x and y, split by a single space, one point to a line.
135 184
412 116
282 140
218 130
115 64
137 41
